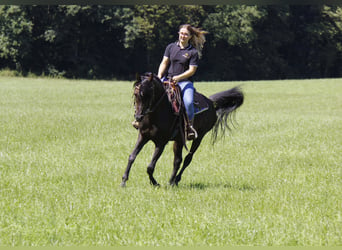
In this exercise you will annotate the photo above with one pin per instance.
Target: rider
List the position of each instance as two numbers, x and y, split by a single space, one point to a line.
181 61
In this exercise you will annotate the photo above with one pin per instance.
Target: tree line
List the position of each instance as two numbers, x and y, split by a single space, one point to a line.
245 42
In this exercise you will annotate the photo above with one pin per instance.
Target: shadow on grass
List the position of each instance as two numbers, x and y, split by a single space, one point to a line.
204 186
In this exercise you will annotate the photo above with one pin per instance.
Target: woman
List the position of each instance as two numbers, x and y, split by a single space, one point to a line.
180 63
181 60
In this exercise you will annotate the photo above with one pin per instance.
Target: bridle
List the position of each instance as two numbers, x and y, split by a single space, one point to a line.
150 108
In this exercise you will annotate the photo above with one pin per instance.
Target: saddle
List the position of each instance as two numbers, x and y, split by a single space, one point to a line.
174 95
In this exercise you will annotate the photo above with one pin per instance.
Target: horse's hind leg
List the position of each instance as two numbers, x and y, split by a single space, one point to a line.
188 157
177 150
150 169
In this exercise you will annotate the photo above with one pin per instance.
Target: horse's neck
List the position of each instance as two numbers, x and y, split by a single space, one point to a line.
161 100
159 91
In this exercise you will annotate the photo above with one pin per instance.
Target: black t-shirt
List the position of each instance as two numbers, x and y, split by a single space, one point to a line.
180 59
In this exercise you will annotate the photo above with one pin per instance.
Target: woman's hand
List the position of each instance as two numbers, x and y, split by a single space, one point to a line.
176 79
190 72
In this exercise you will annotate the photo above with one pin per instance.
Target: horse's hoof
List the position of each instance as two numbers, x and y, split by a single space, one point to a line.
156 185
123 184
173 184
178 178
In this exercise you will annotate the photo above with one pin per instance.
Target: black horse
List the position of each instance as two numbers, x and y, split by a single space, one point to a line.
159 123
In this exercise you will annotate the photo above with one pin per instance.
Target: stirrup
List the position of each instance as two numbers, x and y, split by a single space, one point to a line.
191 133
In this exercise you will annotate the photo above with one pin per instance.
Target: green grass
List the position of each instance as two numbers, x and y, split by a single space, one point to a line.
275 180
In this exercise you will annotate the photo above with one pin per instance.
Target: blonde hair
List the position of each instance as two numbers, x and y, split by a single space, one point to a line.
198 37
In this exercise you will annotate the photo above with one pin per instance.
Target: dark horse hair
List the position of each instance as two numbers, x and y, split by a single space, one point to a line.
159 123
225 109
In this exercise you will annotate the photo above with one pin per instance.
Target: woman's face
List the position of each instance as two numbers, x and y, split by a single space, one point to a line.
184 35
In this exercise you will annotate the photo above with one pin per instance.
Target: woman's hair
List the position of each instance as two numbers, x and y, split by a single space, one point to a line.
198 37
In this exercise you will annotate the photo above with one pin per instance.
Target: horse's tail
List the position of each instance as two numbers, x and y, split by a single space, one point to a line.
225 104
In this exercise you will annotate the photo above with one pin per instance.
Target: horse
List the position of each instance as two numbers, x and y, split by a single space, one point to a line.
159 123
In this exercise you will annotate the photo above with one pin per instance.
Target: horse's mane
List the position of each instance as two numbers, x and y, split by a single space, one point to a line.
152 75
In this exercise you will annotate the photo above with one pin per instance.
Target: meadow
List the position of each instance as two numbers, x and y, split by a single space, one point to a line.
275 180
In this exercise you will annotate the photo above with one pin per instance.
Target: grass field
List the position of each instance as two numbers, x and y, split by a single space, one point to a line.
275 180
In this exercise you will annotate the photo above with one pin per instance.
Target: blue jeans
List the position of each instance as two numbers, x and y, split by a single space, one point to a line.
188 90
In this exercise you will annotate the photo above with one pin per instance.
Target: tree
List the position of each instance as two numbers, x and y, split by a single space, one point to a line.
232 34
266 56
317 45
79 41
244 42
331 56
15 35
234 24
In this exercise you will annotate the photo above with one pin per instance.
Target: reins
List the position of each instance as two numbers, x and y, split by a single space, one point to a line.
149 110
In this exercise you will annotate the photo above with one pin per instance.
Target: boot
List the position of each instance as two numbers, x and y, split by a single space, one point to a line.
135 124
191 133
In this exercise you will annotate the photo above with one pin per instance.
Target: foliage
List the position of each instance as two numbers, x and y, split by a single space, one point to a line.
244 42
316 41
15 35
80 41
234 24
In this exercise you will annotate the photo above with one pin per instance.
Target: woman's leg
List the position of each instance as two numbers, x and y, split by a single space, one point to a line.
188 97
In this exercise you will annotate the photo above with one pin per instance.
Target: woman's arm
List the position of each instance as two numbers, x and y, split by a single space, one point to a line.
190 72
163 66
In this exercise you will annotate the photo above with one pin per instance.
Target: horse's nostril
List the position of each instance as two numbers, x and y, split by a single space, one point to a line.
139 118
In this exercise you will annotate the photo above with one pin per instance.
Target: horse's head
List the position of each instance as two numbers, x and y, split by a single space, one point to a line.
145 94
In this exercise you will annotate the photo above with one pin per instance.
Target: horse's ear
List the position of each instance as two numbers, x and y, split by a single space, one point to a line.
137 77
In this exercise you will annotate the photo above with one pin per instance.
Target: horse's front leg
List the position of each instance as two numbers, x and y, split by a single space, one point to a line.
177 150
138 146
150 169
